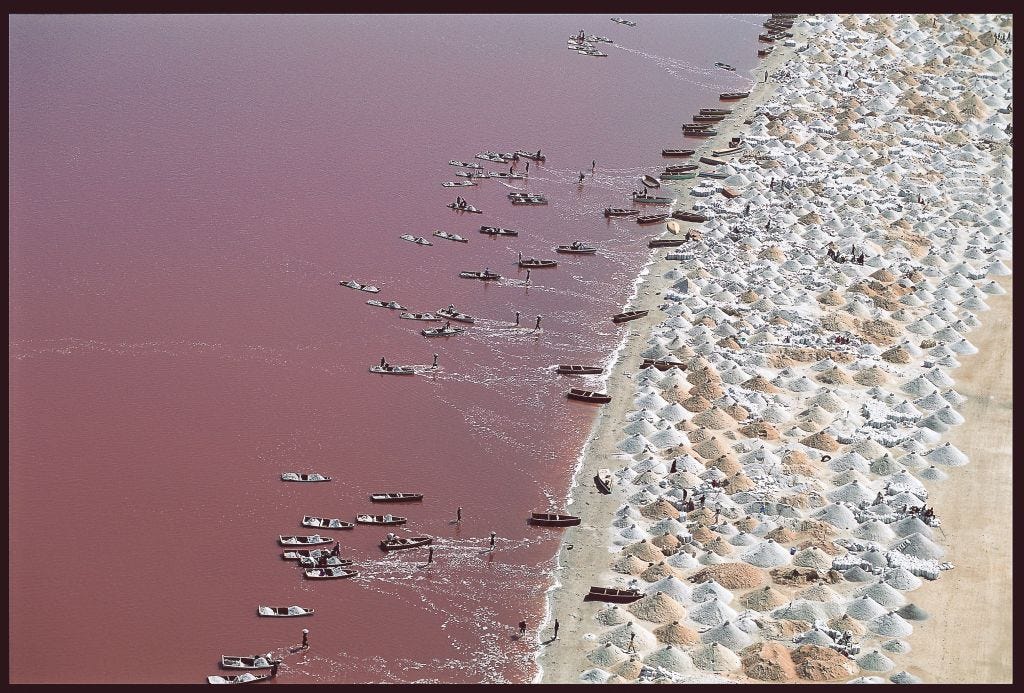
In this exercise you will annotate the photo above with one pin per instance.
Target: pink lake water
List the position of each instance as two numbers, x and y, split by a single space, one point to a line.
186 192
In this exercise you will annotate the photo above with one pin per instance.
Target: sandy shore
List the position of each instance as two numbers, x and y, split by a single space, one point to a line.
968 636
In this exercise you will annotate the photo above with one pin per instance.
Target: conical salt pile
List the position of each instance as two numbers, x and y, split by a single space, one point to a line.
891 624
613 615
819 593
764 599
712 613
875 661
644 550
728 635
676 634
709 590
821 441
884 594
769 661
594 676
673 587
658 571
608 655
805 610
904 677
847 622
853 492
715 657
919 546
912 612
630 565
671 658
947 455
768 554
734 576
620 636
865 608
836 515
634 444
858 574
933 473
714 418
630 669
659 510
876 531
902 580
658 608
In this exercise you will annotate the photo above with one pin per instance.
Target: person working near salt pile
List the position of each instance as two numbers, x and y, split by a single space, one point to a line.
632 644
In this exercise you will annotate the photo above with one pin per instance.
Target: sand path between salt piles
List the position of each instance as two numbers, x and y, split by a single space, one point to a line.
969 637
587 562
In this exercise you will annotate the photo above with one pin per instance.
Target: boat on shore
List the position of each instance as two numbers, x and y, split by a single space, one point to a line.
652 200
312 540
684 215
402 543
284 611
699 133
418 240
679 168
651 218
629 315
463 164
650 182
392 370
672 226
441 332
732 95
707 118
450 236
380 520
725 66
612 594
308 478
325 522
395 497
534 263
419 316
588 396
498 231
712 161
361 287
728 151
483 276
603 480
329 573
453 314
715 111
393 305
662 365
553 520
564 369
665 242
712 174
731 192
678 175
678 152
620 212
576 248
242 662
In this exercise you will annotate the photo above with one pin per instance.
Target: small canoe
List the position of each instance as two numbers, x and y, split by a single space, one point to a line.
471 175
312 540
241 678
402 543
726 66
484 276
450 236
330 573
679 168
419 316
728 95
284 611
611 594
672 226
699 133
471 164
529 200
380 520
457 184
661 364
716 111
533 155
683 215
711 161
765 38
441 332
620 20
620 212
507 176
257 662
578 370
652 200
299 554
468 208
707 118
696 126
678 175
553 520
603 480
393 370
651 218
331 562
629 315
362 287
650 182
492 156
578 250
418 240
730 192
588 396
728 151
712 174
498 231
665 242
395 497
393 305
453 314
677 152
311 477
325 522
762 52
534 263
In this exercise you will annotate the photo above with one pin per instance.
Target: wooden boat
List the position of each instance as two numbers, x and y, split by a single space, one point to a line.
553 520
715 111
241 678
508 176
574 249
611 594
284 611
395 497
471 164
728 95
492 156
578 370
455 315
331 562
451 236
672 226
731 192
402 543
311 477
312 540
603 480
329 573
711 161
300 554
534 263
419 316
529 200
662 365
678 175
652 200
712 174
650 182
325 522
362 287
678 168
380 520
457 183
762 52
418 240
728 151
620 212
707 118
726 66
498 231
699 133
468 208
665 242
471 175
683 215
532 155
393 305
393 370
595 53
677 152
441 332
257 662
695 126
484 276
519 193
588 396
651 218
620 20
629 315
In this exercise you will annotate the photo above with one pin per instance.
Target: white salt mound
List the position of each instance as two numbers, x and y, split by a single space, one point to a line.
875 661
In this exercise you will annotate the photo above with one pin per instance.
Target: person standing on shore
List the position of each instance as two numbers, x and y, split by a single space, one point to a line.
430 555
527 166
593 165
517 318
493 534
435 361
537 326
458 515
522 628
527 276
632 646
305 637
555 636
273 669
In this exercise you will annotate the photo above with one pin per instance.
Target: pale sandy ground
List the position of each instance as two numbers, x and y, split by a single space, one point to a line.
969 637
584 556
